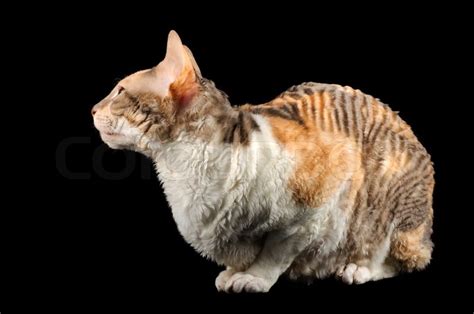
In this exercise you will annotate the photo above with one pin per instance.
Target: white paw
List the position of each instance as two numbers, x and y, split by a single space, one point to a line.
223 277
242 282
352 273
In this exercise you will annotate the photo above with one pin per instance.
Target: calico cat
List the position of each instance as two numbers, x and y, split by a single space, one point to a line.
322 180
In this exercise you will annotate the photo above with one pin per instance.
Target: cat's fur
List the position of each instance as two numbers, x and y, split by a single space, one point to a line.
323 180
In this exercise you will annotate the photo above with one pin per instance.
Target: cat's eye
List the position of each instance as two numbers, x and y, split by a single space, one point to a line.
118 91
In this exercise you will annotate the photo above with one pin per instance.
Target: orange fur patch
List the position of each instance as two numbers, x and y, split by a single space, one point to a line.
322 162
412 248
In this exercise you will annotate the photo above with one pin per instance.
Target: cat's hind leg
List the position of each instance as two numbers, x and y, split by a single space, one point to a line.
352 273
412 248
378 266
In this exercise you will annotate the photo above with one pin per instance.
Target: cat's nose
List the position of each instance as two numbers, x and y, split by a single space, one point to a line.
97 107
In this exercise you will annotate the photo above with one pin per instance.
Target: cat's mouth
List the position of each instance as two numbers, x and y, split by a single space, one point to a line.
111 134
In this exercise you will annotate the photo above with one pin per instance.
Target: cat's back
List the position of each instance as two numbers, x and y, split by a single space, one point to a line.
334 109
342 112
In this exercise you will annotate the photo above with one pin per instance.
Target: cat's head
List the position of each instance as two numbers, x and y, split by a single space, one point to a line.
153 106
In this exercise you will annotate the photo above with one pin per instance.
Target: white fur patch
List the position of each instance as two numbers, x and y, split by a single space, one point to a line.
208 184
379 268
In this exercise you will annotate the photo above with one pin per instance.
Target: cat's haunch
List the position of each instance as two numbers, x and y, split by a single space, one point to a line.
322 180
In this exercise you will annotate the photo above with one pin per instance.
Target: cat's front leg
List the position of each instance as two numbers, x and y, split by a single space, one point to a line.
223 277
280 249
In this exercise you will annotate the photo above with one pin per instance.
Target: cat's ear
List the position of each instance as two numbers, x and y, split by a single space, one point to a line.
178 74
192 60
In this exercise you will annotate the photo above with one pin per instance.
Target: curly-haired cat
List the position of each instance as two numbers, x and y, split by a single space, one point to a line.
322 180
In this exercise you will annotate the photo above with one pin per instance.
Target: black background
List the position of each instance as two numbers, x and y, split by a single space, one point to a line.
110 238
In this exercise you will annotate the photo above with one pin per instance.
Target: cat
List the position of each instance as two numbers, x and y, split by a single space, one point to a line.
321 181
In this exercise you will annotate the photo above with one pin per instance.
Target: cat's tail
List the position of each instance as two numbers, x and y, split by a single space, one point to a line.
413 248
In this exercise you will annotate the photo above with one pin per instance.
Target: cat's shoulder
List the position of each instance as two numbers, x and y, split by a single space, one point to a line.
311 88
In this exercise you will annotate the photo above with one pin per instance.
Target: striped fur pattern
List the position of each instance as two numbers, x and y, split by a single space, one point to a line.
323 180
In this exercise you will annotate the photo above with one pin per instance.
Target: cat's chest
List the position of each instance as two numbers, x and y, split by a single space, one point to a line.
215 190
202 211
195 182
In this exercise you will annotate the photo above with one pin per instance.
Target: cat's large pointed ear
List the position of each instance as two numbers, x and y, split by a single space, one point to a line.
178 74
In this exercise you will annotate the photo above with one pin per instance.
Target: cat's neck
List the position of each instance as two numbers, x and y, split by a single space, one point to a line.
178 154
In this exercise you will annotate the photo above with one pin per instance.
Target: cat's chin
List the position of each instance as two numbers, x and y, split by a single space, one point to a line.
111 138
114 140
119 146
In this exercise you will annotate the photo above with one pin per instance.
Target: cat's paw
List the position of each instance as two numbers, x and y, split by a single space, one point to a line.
243 282
223 277
351 273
